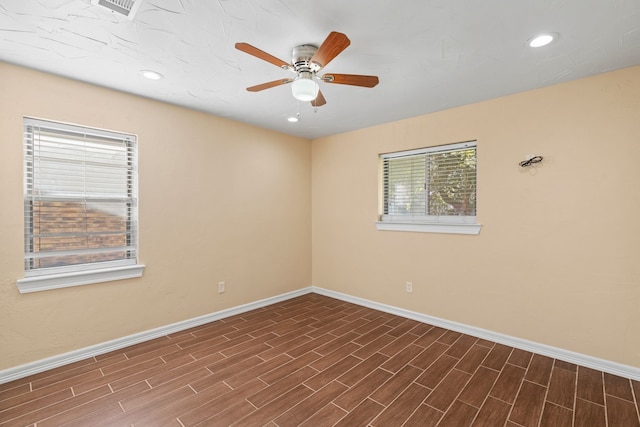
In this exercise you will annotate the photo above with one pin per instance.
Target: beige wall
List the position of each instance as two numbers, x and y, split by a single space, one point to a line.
557 260
219 200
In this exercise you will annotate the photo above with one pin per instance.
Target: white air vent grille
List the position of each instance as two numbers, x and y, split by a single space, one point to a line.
127 8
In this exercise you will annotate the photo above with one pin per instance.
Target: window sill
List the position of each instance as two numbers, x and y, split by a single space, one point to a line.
429 227
78 278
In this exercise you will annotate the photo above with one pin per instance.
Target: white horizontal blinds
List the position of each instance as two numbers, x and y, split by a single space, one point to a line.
405 185
80 196
425 184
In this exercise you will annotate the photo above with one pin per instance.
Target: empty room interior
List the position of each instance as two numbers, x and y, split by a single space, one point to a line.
446 234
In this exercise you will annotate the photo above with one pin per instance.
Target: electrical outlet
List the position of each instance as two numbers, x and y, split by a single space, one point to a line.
409 287
220 287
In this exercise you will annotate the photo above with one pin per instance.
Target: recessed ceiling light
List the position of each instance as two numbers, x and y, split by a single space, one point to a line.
151 75
542 40
293 119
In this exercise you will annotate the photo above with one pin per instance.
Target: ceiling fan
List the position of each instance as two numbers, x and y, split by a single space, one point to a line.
307 61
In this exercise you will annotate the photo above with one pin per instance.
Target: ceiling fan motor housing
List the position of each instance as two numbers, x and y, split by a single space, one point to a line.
301 58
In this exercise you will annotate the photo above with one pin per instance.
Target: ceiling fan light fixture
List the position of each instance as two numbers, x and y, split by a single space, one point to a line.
304 88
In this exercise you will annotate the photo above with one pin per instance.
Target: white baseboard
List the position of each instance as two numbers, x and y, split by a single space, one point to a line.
105 347
102 348
543 349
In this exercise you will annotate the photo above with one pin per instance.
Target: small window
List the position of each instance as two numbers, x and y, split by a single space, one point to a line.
429 189
80 205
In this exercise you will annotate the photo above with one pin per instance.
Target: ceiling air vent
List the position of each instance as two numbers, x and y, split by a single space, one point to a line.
127 8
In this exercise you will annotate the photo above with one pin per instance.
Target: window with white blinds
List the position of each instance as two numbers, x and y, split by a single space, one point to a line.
429 189
80 202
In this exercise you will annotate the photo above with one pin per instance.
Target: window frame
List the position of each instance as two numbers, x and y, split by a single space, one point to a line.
46 278
451 224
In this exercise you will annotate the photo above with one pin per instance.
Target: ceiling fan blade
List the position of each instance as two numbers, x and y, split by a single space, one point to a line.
319 101
351 79
330 48
268 85
261 54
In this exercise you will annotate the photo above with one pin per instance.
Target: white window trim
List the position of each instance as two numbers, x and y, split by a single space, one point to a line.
83 274
427 224
429 227
435 149
78 278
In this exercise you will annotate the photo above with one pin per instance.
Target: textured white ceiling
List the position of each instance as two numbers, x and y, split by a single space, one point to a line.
429 54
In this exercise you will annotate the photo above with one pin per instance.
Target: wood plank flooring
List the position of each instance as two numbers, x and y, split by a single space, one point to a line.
316 361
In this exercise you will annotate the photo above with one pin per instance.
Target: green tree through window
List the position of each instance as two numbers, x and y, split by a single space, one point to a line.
452 183
429 183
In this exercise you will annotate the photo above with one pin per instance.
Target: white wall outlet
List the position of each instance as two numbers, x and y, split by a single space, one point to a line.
220 287
409 287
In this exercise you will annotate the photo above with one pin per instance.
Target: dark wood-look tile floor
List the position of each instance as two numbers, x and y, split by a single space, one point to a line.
316 361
